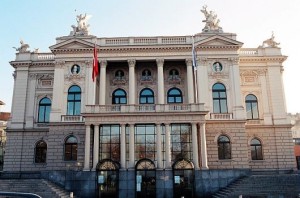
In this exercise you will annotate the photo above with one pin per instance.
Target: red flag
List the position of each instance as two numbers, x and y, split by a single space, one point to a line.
95 64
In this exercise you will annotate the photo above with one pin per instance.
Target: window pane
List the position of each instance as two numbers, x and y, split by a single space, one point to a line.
41 114
47 113
77 108
70 108
171 100
142 100
151 100
216 106
222 95
77 96
223 106
255 110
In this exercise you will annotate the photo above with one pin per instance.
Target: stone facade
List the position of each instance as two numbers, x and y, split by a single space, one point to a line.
214 122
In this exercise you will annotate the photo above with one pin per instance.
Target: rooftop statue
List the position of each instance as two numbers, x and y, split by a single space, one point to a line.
82 27
23 48
270 42
211 20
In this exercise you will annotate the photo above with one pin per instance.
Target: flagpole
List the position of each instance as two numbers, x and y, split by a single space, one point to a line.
194 56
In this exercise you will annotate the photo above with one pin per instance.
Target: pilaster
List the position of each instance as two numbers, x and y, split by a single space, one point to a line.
132 80
102 92
160 81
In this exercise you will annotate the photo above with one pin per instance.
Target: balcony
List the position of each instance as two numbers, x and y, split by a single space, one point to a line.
144 108
221 116
72 118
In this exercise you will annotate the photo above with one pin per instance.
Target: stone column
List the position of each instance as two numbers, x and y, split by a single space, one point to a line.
87 145
190 79
237 107
202 82
96 146
158 146
160 81
123 146
203 146
168 146
30 101
131 146
132 85
195 146
265 98
102 92
90 85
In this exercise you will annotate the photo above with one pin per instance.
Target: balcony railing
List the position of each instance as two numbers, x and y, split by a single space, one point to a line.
221 116
144 108
72 118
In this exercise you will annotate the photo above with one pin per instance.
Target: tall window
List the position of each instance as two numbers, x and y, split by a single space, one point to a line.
219 98
44 110
251 107
146 96
256 149
74 100
145 143
181 141
40 152
174 96
109 142
224 147
71 148
119 97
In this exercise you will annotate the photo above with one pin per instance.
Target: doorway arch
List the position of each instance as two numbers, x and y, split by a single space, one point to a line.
183 181
145 179
108 179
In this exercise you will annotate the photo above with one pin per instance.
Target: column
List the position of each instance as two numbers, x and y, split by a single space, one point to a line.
160 81
265 98
123 146
86 166
96 146
132 93
168 146
237 107
202 82
158 146
190 79
102 92
203 146
131 146
195 146
30 101
90 86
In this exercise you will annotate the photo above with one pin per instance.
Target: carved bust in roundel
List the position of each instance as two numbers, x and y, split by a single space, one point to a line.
75 69
217 67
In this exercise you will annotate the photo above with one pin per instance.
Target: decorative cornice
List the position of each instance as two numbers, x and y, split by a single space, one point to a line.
279 59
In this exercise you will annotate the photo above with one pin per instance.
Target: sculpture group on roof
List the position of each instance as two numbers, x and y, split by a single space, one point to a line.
82 27
211 21
23 48
270 42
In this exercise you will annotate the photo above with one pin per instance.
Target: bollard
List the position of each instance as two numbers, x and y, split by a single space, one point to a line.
71 194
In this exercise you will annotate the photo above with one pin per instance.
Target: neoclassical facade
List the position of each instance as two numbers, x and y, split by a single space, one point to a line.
158 120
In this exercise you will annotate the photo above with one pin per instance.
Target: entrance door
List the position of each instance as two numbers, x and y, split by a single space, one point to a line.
145 179
107 179
183 181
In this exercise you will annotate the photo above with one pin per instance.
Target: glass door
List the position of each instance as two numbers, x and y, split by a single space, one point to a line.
108 184
145 184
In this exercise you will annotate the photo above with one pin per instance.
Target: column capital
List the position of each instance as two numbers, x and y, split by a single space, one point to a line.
89 63
202 61
160 62
189 62
234 60
131 62
103 63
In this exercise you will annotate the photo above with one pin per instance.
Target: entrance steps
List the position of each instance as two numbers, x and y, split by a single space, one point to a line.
41 187
263 186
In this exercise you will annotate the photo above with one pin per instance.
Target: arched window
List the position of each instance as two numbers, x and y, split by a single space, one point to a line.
119 97
119 75
146 96
71 148
74 100
256 149
40 152
251 107
219 98
44 110
224 147
173 74
174 96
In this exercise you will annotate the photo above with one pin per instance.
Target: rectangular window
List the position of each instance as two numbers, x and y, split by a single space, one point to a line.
109 142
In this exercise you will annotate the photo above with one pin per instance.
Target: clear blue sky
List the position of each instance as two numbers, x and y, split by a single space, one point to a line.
38 23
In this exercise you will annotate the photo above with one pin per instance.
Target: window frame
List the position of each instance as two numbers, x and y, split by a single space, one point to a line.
251 109
44 109
146 97
119 97
224 146
256 154
73 149
74 102
220 99
174 96
40 152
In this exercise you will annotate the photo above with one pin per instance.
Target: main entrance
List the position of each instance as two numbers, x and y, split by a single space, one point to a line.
107 179
145 179
183 181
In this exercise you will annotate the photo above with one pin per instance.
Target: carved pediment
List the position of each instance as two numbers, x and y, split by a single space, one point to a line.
218 41
72 44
